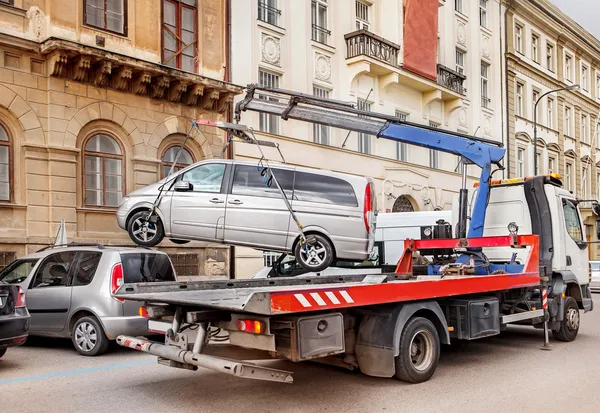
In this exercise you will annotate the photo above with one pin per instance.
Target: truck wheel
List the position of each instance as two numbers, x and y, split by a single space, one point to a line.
317 256
419 351
88 337
143 232
569 327
2 352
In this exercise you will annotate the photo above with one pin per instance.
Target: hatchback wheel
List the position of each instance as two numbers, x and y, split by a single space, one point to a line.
316 256
88 337
143 232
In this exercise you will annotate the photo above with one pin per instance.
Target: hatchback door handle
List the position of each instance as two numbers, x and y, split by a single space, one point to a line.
216 201
235 202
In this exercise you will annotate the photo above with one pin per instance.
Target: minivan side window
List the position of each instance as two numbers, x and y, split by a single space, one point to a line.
54 271
323 189
572 221
205 178
247 180
85 268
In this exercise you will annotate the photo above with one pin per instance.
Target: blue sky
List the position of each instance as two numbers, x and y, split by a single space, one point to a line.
584 12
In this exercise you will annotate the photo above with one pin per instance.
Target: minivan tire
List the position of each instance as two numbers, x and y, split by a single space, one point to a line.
321 253
88 337
136 225
2 352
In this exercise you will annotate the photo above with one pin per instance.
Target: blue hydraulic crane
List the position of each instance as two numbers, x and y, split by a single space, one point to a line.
473 150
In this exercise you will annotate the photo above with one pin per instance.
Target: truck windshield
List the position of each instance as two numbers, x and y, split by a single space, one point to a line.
17 271
141 268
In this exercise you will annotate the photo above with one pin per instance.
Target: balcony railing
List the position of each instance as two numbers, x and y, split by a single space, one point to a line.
450 79
363 42
320 34
268 13
485 102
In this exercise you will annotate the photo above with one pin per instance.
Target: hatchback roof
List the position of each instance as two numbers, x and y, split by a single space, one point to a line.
89 247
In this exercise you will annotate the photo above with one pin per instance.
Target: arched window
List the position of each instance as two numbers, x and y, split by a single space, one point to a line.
5 174
185 158
103 171
402 204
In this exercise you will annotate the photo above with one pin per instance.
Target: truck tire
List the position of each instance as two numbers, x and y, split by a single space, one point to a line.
88 337
569 327
419 351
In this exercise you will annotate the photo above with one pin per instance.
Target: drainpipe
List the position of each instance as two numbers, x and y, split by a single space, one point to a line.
227 76
503 52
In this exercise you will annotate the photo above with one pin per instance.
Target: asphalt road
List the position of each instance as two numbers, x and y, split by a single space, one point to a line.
506 373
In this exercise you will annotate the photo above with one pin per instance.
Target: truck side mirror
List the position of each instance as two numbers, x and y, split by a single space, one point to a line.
183 186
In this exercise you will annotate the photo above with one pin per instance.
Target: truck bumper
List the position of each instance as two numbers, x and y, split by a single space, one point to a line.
587 301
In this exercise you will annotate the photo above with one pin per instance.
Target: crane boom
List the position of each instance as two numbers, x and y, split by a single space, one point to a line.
298 106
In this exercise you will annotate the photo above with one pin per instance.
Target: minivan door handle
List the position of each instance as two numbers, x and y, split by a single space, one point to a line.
235 202
216 201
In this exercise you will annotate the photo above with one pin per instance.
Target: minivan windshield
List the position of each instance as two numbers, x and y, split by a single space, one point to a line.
17 271
141 268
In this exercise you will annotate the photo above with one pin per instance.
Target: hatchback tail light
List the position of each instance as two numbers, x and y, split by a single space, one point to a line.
368 206
116 280
20 298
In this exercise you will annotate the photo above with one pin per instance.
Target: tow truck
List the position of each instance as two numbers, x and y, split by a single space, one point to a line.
523 261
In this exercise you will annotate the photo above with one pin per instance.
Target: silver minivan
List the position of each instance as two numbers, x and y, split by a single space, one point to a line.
69 291
231 202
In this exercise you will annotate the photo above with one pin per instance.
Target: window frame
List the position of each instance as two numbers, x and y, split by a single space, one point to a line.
459 58
583 131
483 18
11 173
521 162
105 29
361 24
535 47
550 57
320 32
551 164
520 100
550 113
569 175
178 24
585 71
568 67
321 92
519 29
182 166
267 11
485 85
363 138
402 147
265 119
568 121
103 156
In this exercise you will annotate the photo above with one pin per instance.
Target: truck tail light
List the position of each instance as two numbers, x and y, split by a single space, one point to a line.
116 280
251 326
20 298
368 206
144 312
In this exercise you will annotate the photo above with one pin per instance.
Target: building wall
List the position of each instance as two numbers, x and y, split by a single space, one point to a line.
286 48
58 88
562 140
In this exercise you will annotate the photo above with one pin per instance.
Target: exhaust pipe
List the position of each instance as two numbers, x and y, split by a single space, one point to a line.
232 367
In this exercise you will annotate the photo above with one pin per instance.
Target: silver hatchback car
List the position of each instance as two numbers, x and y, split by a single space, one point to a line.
231 202
69 291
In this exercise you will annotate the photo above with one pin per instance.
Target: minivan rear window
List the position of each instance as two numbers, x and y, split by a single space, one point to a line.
140 268
323 189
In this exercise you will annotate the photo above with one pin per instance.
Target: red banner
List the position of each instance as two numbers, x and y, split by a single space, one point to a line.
420 37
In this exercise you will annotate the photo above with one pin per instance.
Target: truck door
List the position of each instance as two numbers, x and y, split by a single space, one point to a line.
576 248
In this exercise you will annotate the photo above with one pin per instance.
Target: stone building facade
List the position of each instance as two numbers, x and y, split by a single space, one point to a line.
93 97
547 51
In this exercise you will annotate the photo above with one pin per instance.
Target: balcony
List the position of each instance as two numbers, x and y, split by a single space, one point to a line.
320 34
450 79
268 14
367 52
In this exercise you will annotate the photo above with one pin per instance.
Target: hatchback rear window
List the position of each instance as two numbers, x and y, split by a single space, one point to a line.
140 268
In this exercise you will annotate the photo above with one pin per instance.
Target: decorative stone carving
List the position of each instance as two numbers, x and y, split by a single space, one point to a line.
159 86
271 49
121 77
461 34
176 89
37 22
224 100
102 73
58 64
322 67
81 68
463 118
487 125
141 82
210 99
193 94
485 47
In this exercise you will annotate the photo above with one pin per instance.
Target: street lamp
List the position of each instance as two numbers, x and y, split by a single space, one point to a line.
535 163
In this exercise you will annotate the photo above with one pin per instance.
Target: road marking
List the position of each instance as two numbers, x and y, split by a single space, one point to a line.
318 299
305 303
72 372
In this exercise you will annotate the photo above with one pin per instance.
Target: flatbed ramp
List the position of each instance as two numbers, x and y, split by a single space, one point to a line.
294 295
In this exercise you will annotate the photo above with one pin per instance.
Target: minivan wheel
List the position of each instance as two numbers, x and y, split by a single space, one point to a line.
143 232
2 352
315 257
88 337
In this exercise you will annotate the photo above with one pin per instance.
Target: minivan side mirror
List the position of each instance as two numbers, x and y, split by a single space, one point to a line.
183 186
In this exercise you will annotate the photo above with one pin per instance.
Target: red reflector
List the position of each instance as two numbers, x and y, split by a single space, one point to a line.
20 298
18 340
144 312
368 205
116 280
251 326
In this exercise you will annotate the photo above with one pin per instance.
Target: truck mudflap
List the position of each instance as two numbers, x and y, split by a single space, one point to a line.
236 368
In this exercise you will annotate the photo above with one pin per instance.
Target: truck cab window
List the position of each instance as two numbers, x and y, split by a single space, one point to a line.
572 220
